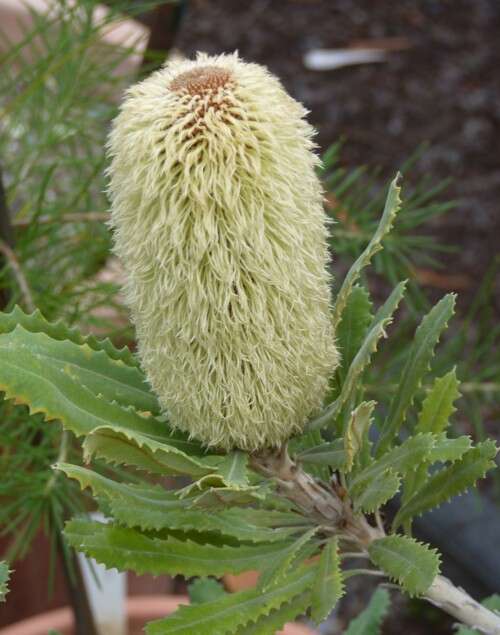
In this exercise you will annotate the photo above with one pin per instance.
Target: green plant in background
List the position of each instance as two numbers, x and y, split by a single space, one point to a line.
354 198
370 620
58 91
304 513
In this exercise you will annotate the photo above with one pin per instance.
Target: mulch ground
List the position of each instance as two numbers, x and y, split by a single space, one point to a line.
444 89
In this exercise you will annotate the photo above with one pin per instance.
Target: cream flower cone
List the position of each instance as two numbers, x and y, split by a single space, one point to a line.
218 219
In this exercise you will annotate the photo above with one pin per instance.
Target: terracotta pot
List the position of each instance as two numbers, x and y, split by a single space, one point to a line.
247 579
140 609
240 581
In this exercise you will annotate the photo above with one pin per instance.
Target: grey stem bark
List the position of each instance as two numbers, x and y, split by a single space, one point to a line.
330 507
457 602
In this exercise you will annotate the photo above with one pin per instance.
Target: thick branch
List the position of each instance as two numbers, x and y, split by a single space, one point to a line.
327 504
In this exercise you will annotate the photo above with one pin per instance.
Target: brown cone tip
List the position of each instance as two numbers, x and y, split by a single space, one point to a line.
199 81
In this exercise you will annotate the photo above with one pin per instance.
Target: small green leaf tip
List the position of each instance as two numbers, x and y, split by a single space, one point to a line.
218 220
4 580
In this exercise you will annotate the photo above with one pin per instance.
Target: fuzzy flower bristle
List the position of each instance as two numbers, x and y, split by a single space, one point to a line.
218 219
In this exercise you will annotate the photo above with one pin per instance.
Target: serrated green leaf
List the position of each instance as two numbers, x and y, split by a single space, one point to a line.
377 491
4 580
376 331
370 620
392 206
233 469
36 323
205 590
438 405
222 497
126 548
227 522
57 395
356 318
328 585
356 434
279 565
448 482
412 564
149 504
331 454
418 360
412 482
103 376
230 614
208 482
277 618
271 518
444 450
127 447
449 449
153 507
387 310
400 460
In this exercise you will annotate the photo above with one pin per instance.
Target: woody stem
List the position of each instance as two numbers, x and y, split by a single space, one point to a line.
329 505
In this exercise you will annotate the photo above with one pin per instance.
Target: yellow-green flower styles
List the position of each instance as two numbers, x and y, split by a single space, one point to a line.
218 220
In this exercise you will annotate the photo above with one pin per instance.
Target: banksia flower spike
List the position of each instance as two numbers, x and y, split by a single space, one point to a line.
218 220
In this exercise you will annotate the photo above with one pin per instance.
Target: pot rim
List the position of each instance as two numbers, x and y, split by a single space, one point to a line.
139 607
